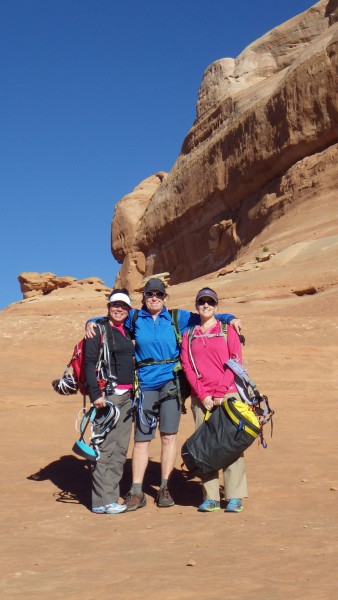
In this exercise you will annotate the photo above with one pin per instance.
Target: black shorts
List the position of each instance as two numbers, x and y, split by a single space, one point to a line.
165 408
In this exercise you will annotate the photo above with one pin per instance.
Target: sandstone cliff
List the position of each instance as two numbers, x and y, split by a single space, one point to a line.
128 213
264 143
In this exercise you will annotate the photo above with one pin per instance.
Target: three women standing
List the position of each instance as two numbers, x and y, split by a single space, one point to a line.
157 353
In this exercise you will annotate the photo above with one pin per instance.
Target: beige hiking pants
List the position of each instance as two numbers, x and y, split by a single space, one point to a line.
235 484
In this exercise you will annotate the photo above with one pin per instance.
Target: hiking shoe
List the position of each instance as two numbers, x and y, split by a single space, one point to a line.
209 506
133 501
234 505
164 500
109 509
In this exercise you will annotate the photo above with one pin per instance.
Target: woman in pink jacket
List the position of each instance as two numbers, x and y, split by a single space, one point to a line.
203 362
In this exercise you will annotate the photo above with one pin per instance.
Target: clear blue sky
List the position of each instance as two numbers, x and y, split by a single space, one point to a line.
97 95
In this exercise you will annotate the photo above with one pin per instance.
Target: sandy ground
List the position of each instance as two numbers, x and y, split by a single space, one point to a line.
283 545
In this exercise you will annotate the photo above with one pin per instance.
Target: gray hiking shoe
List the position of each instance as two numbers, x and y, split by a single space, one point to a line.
164 500
133 501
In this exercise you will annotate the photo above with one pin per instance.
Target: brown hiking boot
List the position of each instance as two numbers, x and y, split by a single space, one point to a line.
133 502
164 500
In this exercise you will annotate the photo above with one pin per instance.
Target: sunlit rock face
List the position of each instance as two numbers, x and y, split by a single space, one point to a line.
263 142
127 216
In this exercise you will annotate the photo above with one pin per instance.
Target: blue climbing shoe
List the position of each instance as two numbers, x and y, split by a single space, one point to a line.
209 506
234 505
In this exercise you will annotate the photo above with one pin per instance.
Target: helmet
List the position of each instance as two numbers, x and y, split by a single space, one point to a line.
104 421
66 385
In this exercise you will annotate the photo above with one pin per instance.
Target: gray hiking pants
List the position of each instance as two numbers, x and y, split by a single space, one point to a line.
108 470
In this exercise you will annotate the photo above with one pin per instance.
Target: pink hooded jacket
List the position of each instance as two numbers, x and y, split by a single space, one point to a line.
210 354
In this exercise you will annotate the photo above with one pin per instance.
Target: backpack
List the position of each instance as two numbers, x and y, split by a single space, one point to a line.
74 379
181 382
249 394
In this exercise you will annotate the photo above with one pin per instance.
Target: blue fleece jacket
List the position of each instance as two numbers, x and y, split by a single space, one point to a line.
155 339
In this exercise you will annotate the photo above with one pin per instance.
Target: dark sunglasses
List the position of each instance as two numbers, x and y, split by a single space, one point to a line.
160 295
119 305
209 301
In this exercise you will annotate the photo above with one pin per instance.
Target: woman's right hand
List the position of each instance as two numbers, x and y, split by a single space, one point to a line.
90 329
208 402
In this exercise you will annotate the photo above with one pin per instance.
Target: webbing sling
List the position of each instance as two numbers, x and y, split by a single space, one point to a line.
146 417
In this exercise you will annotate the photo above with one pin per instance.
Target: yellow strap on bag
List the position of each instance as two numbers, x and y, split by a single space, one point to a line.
239 412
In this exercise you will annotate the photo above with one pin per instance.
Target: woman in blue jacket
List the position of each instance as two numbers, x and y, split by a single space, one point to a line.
157 353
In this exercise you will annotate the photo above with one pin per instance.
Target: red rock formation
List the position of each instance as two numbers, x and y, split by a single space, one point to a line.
264 141
41 284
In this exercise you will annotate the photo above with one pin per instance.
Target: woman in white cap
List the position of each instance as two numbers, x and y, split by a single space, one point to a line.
205 350
108 469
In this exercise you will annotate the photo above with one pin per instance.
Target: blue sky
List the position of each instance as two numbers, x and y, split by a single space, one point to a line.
96 96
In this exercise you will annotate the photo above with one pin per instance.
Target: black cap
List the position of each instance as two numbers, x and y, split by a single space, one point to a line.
154 284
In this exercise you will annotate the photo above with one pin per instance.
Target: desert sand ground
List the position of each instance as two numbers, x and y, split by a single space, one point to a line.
285 542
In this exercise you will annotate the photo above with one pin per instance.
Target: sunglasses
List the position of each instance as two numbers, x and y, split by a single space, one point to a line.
119 305
209 301
160 295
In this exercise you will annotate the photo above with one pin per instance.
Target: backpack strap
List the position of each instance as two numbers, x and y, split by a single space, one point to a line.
190 338
174 320
131 329
224 331
242 373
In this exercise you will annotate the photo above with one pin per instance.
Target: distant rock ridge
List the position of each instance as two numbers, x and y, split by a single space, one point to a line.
40 284
264 141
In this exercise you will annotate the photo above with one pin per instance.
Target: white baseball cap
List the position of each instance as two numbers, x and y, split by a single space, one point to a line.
119 297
